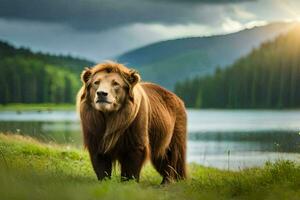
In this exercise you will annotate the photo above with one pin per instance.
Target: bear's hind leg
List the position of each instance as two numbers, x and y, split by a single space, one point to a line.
178 144
165 166
172 166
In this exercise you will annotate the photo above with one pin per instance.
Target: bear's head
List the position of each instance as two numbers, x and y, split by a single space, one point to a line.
107 87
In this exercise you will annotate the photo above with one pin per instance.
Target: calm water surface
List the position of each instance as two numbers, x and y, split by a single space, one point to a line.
218 138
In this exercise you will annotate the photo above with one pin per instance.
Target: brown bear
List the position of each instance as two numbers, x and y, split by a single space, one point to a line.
126 120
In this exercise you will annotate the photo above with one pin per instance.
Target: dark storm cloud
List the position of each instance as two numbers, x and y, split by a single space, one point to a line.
100 15
205 1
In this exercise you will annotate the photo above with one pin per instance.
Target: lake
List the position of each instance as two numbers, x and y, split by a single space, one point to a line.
224 139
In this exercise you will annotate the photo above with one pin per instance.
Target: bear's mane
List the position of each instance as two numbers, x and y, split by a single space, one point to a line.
109 126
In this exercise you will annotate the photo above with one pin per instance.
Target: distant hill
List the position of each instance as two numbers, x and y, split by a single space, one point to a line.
169 61
268 77
27 77
69 62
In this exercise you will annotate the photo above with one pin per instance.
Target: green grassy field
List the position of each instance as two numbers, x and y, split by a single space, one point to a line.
36 107
33 170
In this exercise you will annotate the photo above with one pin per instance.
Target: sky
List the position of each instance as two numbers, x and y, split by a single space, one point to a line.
102 29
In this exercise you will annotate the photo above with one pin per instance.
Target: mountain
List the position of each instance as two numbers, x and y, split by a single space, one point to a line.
268 77
27 77
167 62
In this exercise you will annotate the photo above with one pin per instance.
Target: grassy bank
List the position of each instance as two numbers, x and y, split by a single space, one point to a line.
19 107
32 170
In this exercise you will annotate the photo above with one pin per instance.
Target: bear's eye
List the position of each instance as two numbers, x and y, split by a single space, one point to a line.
97 82
115 83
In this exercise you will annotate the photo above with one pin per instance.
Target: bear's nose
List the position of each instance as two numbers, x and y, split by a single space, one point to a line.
102 94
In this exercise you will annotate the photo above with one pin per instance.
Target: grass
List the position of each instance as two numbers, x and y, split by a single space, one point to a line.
19 107
33 170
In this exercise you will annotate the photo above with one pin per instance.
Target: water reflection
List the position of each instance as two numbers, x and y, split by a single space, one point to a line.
59 132
223 139
279 141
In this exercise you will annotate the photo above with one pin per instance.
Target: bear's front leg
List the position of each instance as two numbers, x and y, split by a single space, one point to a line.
102 165
131 163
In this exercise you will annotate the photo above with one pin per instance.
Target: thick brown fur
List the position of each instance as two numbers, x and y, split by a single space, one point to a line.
150 124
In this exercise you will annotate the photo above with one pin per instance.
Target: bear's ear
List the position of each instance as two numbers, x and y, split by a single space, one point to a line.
133 79
86 75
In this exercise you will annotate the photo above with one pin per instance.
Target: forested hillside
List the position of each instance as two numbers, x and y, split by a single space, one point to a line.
27 77
269 77
167 62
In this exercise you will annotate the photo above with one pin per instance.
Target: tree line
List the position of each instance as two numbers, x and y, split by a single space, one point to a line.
26 77
268 77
